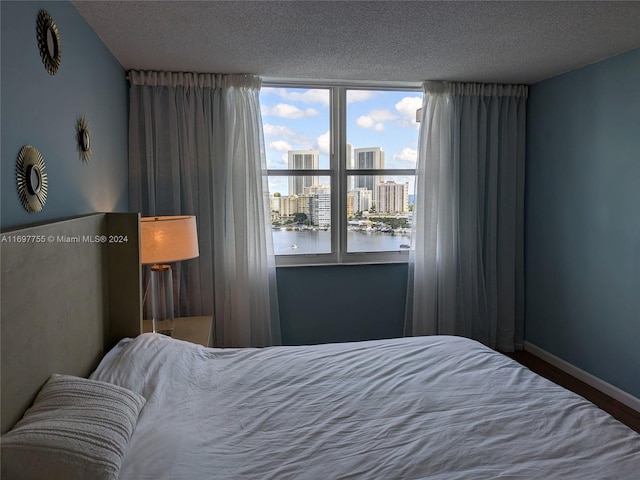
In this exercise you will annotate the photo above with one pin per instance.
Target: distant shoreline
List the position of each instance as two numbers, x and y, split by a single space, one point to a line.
314 241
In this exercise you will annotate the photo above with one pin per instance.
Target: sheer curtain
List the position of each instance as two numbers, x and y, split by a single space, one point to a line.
196 147
466 268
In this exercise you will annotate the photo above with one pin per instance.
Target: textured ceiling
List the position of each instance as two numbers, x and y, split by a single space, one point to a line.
507 42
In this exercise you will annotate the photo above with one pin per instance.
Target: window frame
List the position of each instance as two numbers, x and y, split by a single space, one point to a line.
338 174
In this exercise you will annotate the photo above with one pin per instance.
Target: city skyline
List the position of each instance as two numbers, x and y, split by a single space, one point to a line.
372 157
315 203
298 119
302 159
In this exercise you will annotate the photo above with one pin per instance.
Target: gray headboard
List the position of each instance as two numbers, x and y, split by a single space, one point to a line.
69 291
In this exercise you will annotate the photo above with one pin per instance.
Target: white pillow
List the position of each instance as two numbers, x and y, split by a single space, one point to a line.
76 429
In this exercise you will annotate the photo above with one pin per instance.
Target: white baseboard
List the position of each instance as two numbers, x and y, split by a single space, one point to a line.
595 382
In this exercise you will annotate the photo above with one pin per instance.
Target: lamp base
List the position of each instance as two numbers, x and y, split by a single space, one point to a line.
162 299
165 327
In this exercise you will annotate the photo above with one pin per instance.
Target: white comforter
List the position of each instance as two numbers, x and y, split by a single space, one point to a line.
426 407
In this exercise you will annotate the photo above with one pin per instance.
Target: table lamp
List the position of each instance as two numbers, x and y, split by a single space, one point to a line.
164 240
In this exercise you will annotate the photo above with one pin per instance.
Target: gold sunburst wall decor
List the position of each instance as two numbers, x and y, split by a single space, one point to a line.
31 179
83 139
48 42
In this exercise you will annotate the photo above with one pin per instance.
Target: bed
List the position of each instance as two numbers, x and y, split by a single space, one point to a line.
435 407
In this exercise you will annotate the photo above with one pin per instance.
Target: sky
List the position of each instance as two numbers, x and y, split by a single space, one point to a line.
298 119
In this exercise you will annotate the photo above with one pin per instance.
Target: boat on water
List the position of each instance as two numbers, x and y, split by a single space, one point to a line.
294 246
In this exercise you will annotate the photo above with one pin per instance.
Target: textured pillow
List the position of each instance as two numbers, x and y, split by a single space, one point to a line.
76 429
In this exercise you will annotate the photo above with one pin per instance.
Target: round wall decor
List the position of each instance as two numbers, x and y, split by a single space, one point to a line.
31 179
83 139
48 41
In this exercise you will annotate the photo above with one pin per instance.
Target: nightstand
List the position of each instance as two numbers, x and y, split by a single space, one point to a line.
190 329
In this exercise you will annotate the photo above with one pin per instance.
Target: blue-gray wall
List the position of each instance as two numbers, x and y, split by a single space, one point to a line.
582 214
341 303
41 110
583 219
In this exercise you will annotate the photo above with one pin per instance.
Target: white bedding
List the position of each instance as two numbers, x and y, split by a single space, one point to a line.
426 407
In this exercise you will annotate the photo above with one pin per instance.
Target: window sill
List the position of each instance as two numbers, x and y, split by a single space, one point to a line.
378 258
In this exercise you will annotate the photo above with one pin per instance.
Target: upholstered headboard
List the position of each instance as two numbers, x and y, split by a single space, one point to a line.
69 291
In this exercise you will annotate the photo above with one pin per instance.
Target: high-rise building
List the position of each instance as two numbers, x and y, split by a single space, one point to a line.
393 197
291 205
274 203
369 158
302 160
350 210
320 211
362 199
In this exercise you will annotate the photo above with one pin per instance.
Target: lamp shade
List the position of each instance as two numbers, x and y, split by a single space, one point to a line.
168 239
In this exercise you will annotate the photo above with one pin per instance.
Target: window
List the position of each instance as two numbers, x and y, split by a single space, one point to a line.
341 168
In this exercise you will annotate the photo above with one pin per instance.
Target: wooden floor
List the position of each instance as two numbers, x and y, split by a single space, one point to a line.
616 409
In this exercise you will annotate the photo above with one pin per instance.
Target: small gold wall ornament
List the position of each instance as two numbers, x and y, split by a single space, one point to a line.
83 139
31 179
48 41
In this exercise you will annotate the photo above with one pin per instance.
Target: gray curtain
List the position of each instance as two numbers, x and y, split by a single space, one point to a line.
196 148
466 270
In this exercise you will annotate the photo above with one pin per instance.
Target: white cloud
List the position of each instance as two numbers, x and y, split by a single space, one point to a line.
407 107
308 96
365 121
407 155
376 119
284 110
354 96
280 146
324 143
276 133
382 115
277 130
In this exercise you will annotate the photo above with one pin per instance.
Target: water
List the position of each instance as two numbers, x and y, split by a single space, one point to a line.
318 241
